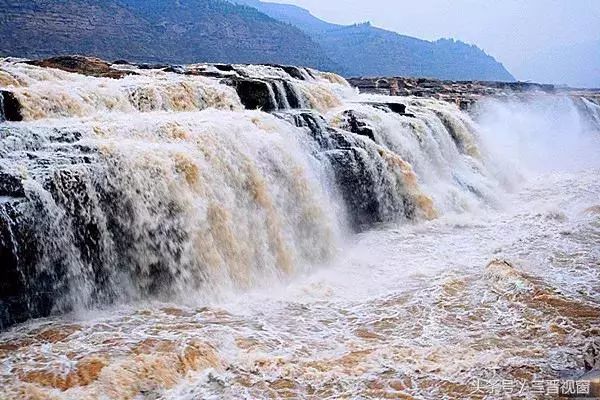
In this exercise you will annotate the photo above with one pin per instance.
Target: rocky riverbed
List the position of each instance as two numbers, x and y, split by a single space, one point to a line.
464 93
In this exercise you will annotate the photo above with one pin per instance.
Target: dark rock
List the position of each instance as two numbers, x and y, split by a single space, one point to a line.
10 185
281 94
354 125
152 66
359 170
224 67
356 186
316 124
65 136
294 72
208 74
88 66
462 93
25 292
177 69
291 95
591 358
254 94
465 105
10 108
397 108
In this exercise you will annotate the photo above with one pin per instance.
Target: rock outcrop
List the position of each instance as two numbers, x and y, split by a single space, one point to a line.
55 181
463 93
10 108
88 66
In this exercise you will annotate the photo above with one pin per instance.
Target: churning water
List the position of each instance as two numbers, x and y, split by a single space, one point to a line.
190 249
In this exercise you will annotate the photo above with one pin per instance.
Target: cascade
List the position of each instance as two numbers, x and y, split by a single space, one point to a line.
178 184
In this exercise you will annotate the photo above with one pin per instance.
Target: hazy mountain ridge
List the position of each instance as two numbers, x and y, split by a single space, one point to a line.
241 31
363 49
180 31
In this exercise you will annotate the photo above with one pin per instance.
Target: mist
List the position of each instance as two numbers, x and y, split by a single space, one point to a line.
542 134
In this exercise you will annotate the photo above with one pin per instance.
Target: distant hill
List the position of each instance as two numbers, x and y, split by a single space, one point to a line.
234 31
178 31
364 50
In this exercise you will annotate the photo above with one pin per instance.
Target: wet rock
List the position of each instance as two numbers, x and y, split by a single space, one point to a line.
224 67
88 66
10 108
591 357
25 292
10 185
176 69
358 126
281 95
293 100
356 186
363 177
294 72
254 94
462 93
152 66
314 122
397 108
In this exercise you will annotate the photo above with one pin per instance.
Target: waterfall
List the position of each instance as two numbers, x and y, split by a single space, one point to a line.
176 184
592 110
546 133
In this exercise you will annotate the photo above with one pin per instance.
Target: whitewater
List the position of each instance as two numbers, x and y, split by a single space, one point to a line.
167 242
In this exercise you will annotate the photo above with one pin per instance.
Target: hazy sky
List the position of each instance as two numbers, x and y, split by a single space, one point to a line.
510 30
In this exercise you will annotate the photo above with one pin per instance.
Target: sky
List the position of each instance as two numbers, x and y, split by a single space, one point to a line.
539 40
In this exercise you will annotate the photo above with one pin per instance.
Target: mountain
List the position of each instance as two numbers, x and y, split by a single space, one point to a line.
291 14
234 31
179 31
365 50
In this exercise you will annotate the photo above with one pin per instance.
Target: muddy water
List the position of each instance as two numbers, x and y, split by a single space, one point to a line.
221 244
413 311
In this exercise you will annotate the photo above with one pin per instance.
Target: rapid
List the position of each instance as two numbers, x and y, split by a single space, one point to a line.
162 238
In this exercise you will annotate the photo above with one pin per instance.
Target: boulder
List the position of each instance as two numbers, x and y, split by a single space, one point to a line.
88 66
10 107
356 186
254 94
294 72
176 69
355 125
25 292
397 108
152 66
10 185
292 95
224 67
591 357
